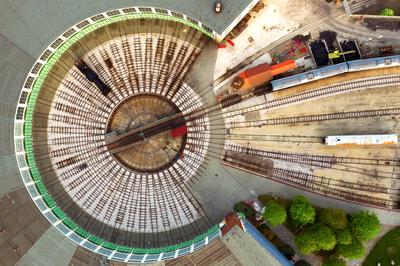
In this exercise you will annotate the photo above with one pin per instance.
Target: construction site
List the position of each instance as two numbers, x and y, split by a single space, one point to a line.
130 129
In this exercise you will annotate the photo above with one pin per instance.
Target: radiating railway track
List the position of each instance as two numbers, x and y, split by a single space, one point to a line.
142 207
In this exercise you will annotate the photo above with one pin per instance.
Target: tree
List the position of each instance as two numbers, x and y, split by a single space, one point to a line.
334 218
306 243
387 12
315 238
301 211
243 208
324 236
332 261
343 236
274 214
365 225
287 251
355 250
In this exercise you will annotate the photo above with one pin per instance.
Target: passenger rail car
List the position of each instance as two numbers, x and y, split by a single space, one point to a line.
372 63
385 139
320 73
329 71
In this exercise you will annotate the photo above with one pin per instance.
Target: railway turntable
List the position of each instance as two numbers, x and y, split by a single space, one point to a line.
105 161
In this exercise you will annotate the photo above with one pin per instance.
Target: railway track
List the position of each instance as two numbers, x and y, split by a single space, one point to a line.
384 197
315 118
346 87
346 164
275 138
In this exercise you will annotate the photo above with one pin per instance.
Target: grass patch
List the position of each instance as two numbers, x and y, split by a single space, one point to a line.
386 250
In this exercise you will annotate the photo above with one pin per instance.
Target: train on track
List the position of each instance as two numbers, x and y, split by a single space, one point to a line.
309 76
333 70
92 77
383 139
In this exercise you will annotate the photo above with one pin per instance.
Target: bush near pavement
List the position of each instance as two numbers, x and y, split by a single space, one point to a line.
365 225
243 208
355 250
301 211
315 238
333 218
343 236
274 214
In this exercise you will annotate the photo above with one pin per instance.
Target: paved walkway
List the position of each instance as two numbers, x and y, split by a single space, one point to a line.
286 236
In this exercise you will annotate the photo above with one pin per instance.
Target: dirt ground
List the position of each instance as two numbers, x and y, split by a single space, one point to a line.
379 5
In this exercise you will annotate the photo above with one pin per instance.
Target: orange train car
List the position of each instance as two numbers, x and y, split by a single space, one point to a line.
260 74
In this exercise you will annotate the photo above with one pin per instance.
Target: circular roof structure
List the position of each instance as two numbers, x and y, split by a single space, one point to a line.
111 136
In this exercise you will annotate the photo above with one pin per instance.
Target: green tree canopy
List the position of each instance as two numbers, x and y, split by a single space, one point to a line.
387 12
306 243
332 261
333 218
355 250
315 238
301 211
365 225
324 236
274 214
343 236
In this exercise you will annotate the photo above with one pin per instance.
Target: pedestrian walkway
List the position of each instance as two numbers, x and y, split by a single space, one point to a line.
286 236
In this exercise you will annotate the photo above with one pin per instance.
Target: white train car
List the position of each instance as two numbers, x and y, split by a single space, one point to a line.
384 139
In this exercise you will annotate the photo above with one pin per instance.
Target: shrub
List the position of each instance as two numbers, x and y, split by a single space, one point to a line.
343 236
315 238
324 237
355 250
334 218
332 261
365 225
306 243
301 211
274 214
387 12
243 208
302 263
287 251
265 198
